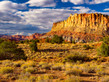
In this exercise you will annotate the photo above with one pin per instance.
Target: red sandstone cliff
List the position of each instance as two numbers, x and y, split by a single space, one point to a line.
85 23
82 26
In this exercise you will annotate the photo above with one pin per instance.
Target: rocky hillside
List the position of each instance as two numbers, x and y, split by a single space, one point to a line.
85 23
21 37
82 26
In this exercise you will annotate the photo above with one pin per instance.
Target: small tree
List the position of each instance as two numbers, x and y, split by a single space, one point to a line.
33 46
22 42
104 48
26 41
9 50
86 47
36 40
47 40
57 39
1 40
73 42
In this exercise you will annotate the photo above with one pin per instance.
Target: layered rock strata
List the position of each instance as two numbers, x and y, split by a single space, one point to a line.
83 26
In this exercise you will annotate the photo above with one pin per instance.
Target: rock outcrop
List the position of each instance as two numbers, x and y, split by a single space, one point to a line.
85 23
82 26
21 37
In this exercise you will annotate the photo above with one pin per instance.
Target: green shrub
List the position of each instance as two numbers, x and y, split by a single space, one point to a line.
76 57
26 41
36 40
104 48
47 40
57 39
73 42
22 42
86 47
33 46
9 50
1 40
4 70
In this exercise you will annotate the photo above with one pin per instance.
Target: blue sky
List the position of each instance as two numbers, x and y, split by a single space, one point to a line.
25 17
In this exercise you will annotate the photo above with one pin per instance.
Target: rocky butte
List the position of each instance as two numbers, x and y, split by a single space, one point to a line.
82 27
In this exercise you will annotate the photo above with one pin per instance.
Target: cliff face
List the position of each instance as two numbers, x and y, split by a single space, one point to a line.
94 23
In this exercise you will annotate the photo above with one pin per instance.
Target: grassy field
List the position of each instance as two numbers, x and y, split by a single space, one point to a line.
57 63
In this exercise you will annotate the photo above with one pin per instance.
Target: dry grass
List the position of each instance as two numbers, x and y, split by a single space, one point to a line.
5 70
47 65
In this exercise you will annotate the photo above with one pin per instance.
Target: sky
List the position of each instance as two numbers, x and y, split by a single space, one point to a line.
25 17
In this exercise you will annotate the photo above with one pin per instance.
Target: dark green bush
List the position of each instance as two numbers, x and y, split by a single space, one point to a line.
76 57
57 39
26 41
1 40
73 42
22 42
9 50
86 47
36 40
33 46
104 48
47 40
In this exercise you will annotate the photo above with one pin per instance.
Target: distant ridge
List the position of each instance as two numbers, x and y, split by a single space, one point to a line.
21 37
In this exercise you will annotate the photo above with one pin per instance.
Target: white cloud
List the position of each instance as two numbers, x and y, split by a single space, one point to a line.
98 1
107 9
82 9
65 0
44 18
76 2
7 10
42 3
8 6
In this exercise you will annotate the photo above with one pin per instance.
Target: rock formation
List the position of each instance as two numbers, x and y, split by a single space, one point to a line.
85 23
21 37
82 26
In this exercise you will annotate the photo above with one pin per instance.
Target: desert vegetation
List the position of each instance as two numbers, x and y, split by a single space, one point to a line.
34 61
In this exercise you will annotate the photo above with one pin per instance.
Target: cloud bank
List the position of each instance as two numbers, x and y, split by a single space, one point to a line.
76 2
42 3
